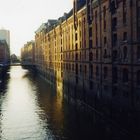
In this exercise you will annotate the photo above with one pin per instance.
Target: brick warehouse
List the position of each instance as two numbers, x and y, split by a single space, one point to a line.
92 53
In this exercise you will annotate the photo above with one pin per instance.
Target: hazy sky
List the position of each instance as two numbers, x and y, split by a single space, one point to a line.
23 17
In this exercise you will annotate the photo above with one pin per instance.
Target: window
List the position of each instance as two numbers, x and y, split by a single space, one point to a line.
105 40
125 36
90 32
70 66
124 12
97 71
114 40
76 69
104 15
96 54
115 55
90 56
114 24
76 79
96 40
114 91
76 56
85 70
113 6
138 77
91 71
85 55
76 46
67 66
104 25
138 52
124 52
138 22
105 72
106 88
124 17
104 11
91 85
124 2
61 74
90 43
80 56
96 29
115 75
73 67
125 75
105 53
80 69
138 11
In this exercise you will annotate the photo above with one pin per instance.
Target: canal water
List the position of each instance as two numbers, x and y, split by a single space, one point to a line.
30 109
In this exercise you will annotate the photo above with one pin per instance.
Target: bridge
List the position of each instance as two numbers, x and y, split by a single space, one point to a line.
15 64
29 65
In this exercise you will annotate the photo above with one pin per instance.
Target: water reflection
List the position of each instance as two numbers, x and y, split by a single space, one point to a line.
31 109
19 109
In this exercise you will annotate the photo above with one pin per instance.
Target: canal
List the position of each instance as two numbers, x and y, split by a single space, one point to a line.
30 109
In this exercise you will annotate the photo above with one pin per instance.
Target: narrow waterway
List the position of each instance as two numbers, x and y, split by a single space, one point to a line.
31 109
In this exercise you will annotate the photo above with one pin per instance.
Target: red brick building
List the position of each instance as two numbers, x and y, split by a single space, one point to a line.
94 52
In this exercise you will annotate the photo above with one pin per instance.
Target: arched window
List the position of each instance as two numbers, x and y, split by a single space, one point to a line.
124 52
125 75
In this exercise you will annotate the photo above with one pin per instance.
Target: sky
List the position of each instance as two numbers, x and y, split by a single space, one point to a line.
23 17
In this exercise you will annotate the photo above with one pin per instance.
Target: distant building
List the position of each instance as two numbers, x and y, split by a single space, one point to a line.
5 35
14 58
27 53
4 53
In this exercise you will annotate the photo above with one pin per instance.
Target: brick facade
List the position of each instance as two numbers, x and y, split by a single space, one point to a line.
92 53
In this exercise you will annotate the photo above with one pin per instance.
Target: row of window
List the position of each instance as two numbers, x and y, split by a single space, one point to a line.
82 69
115 55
